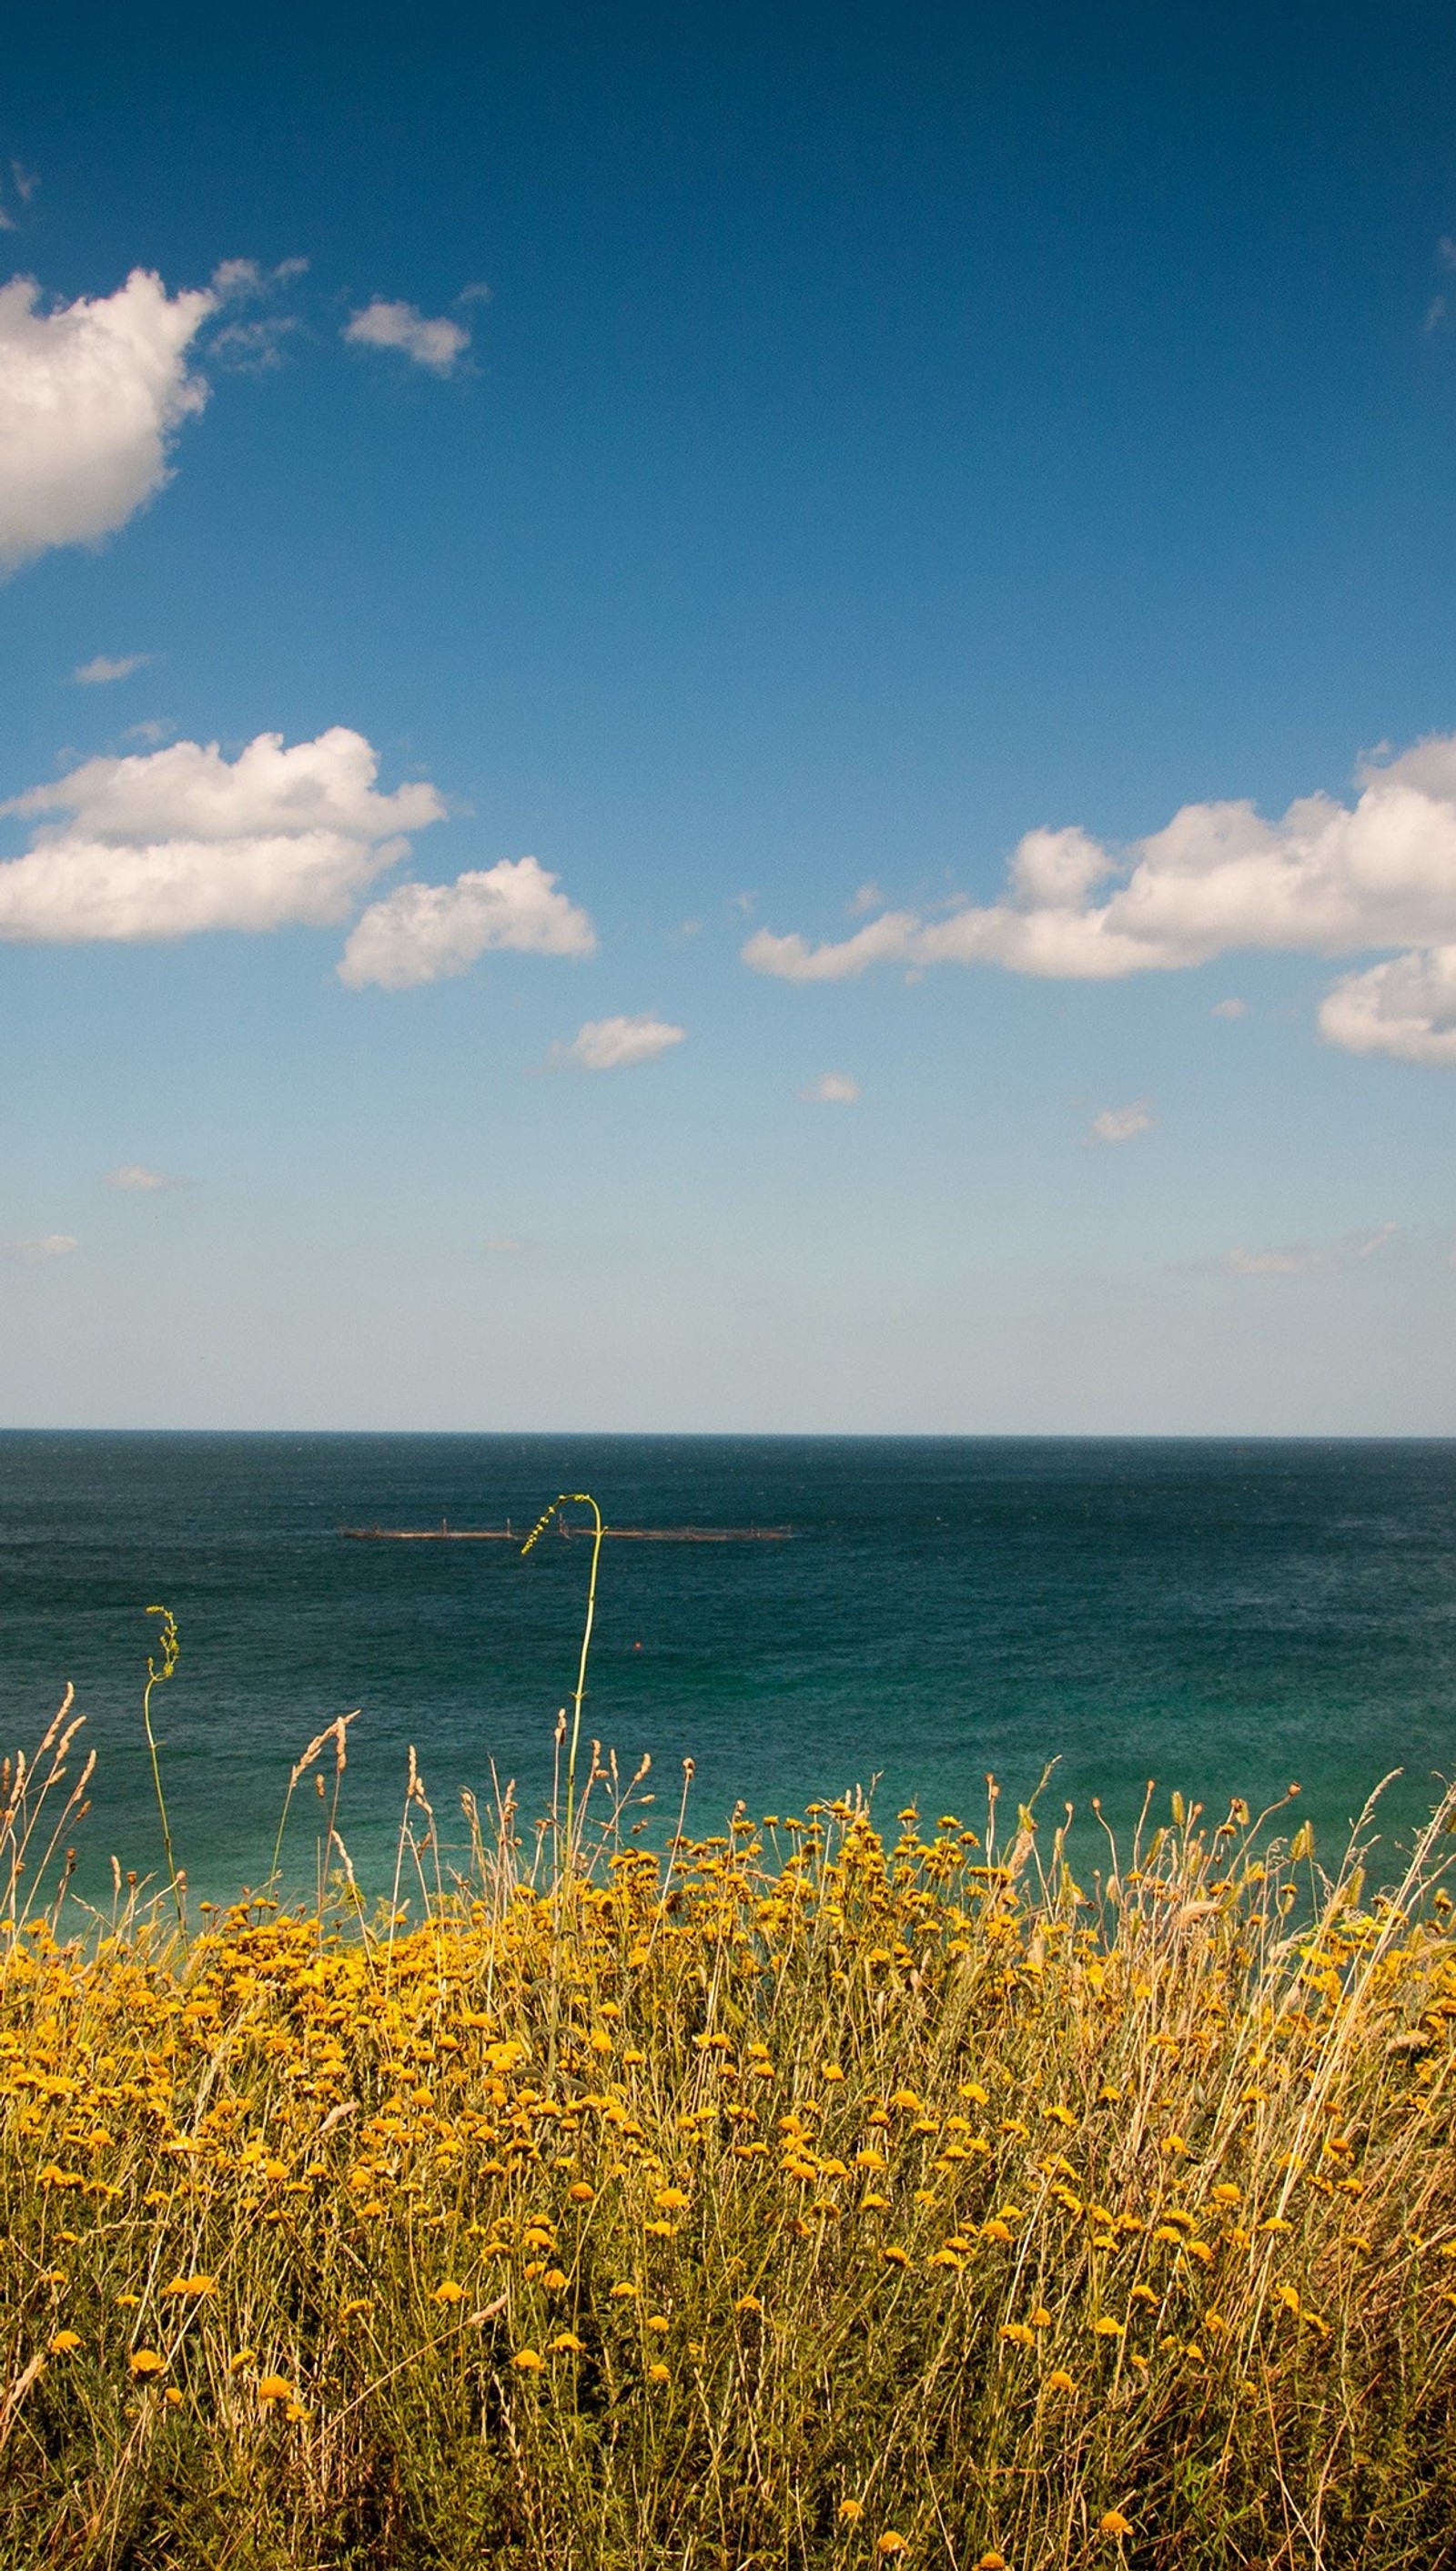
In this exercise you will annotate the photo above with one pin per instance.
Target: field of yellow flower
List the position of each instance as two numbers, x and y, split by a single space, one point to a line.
804 2194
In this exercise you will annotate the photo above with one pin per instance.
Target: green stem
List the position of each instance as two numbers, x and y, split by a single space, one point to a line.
168 1638
585 1500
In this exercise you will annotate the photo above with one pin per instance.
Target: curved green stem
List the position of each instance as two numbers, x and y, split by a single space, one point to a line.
169 1646
584 1499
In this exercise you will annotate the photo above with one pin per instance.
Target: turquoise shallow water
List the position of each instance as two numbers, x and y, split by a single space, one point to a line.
1222 1616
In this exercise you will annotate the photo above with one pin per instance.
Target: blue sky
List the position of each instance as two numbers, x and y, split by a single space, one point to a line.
762 467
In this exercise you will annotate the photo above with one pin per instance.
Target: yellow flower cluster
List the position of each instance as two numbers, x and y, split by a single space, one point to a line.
881 2197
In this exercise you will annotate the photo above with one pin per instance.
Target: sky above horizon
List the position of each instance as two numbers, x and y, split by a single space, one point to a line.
729 720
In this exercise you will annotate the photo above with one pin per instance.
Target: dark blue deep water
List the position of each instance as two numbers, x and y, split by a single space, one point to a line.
1222 1616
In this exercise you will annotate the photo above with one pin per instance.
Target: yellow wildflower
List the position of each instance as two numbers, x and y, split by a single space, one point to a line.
274 2387
526 2362
449 2292
851 2511
63 2341
568 2345
659 2373
891 2542
145 2360
1018 2334
1112 2522
1059 2381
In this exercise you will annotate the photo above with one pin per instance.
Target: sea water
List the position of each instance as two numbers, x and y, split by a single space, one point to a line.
1222 1616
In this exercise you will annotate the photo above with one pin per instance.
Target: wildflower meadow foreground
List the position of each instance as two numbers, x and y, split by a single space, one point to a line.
803 2194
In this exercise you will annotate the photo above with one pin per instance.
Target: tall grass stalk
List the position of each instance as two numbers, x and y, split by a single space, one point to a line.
158 1672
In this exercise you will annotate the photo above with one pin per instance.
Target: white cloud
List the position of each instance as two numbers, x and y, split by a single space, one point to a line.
183 839
1326 879
1230 1009
1405 1008
1120 1124
134 1180
832 1089
611 1044
1295 1259
242 281
436 344
103 671
425 933
254 348
48 1245
503 1244
91 398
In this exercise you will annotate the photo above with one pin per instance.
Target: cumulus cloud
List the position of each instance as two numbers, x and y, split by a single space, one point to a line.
435 344
1120 1124
425 933
47 1245
103 671
134 1180
1405 1008
184 839
91 396
611 1044
1327 878
832 1089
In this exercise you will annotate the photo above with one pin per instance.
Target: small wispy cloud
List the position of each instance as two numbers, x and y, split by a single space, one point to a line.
1230 1009
436 345
832 1089
133 1178
1295 1258
106 668
244 281
24 183
30 1249
614 1044
254 348
1120 1124
868 897
503 1244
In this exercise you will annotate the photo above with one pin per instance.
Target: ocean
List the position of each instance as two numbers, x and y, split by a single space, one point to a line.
1222 1616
